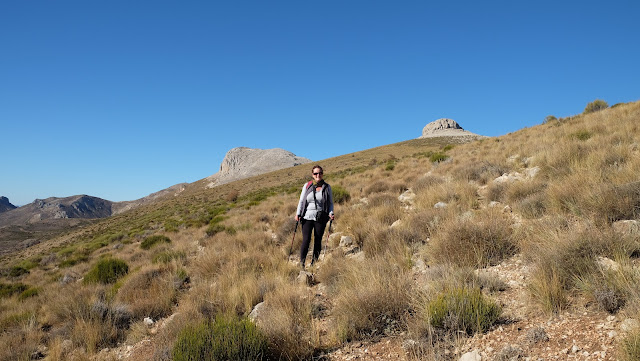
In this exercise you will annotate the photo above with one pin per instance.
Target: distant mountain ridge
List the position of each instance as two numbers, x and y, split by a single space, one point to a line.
5 205
79 206
239 163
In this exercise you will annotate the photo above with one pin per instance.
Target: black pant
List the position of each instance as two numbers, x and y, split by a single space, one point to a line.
318 230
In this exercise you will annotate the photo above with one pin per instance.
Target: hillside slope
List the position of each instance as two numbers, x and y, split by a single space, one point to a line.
523 246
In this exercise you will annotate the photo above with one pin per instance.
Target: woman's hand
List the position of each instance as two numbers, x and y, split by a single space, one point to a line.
332 216
297 218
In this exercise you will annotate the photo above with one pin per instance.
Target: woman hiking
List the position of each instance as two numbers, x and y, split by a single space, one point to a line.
315 208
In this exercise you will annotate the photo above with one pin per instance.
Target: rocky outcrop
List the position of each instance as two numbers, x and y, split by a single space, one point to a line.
244 162
445 127
5 205
81 206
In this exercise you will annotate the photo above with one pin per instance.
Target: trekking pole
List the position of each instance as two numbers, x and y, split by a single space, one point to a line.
294 237
328 235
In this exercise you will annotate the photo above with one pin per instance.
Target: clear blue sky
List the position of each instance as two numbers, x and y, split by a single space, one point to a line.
119 99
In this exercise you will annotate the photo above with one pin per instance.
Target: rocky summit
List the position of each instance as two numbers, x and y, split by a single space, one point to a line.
5 205
243 162
445 127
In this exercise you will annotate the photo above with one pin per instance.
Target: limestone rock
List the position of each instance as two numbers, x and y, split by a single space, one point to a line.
257 313
243 162
629 325
445 127
306 278
627 227
471 356
407 197
346 241
608 264
440 205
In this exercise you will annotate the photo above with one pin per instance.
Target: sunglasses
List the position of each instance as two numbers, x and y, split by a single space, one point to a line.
317 173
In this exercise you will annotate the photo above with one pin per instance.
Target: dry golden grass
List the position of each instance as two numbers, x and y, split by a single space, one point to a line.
150 292
477 240
287 323
372 298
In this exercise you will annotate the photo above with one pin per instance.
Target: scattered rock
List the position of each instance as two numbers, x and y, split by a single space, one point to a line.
257 312
537 334
471 356
307 278
608 264
346 241
440 205
396 223
629 325
407 197
627 227
148 321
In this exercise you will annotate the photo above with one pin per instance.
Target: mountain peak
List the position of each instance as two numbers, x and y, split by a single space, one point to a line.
5 205
445 127
243 162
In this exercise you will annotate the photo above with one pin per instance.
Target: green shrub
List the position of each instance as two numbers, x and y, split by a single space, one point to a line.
17 271
214 229
224 339
549 119
340 195
8 290
72 261
447 147
463 309
582 135
30 292
438 157
107 270
391 165
153 240
595 106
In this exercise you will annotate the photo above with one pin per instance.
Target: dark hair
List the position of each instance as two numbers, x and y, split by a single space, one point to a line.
317 166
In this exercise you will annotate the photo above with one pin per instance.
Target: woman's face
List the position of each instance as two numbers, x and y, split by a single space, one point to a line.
317 174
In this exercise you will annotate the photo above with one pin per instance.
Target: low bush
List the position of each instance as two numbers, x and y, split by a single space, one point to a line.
8 290
463 310
226 338
151 241
17 271
474 242
214 229
376 187
595 106
107 270
582 135
372 299
150 293
340 195
30 292
438 157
